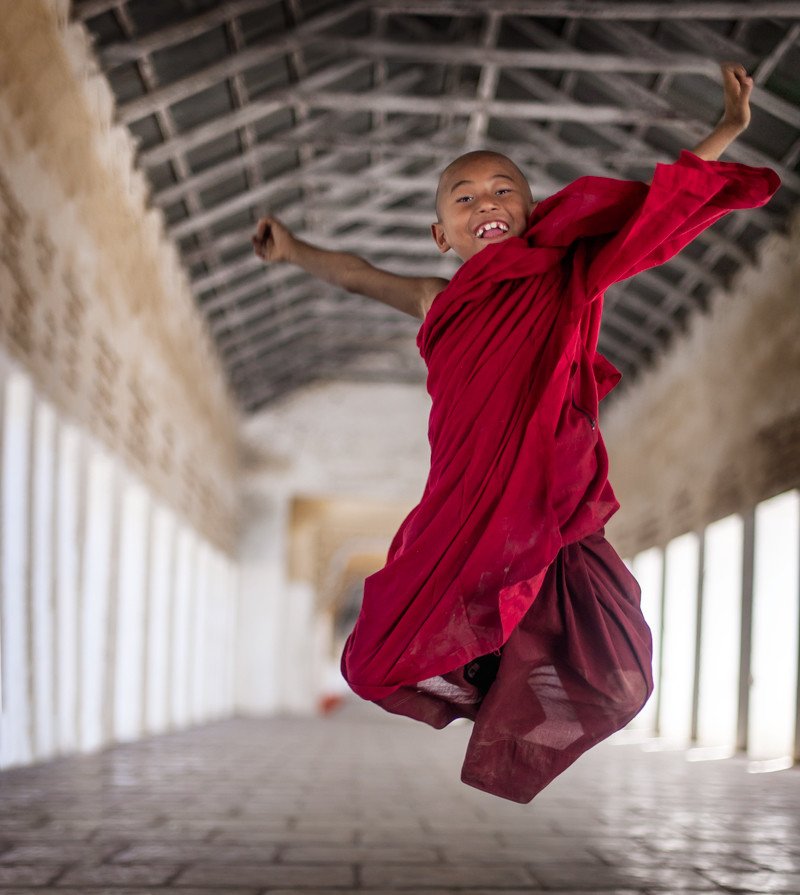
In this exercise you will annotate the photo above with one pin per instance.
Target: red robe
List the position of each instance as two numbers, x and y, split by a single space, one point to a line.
519 471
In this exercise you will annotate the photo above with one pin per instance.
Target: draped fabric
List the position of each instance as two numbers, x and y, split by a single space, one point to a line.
519 471
576 668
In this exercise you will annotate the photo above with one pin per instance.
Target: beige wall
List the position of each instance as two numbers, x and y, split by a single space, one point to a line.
329 473
93 301
715 426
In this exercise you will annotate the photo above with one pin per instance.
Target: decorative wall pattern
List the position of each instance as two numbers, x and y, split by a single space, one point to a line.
715 427
93 301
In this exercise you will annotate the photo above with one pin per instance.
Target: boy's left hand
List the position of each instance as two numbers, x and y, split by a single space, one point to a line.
738 86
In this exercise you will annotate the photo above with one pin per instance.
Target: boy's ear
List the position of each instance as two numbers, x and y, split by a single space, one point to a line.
437 232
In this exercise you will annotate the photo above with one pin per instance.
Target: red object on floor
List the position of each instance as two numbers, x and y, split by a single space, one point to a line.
330 702
518 479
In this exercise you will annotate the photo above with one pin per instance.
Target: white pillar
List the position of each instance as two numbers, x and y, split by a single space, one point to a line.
680 626
647 568
96 599
69 523
773 695
42 579
159 620
261 669
198 621
180 710
218 636
213 636
232 593
131 600
16 746
300 660
718 693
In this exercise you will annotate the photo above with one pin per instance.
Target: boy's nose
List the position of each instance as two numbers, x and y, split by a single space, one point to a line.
486 202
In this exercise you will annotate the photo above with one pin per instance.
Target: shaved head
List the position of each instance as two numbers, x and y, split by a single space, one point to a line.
449 177
475 190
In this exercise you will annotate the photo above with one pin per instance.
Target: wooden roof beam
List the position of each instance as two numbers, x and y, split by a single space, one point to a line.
265 296
263 193
355 323
572 59
166 125
602 9
624 89
317 312
554 146
523 109
120 52
487 82
619 345
281 277
258 54
251 342
703 38
303 353
256 110
770 62
333 213
292 306
218 173
241 201
437 54
236 316
88 9
626 295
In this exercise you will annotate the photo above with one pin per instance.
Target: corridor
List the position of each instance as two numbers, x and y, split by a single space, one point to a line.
220 457
361 801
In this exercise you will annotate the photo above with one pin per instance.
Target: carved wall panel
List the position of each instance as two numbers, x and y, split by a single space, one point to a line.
93 301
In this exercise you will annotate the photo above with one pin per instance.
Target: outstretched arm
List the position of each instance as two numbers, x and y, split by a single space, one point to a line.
412 295
737 87
651 225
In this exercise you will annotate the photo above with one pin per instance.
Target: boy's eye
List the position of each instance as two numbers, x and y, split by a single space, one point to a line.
463 198
505 189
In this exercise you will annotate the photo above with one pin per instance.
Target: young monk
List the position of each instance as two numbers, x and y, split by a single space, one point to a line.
501 600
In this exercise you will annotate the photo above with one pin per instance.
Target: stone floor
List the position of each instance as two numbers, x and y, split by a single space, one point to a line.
362 801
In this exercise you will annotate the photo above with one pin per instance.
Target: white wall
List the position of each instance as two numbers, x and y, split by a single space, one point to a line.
679 633
776 620
117 619
773 667
263 668
16 722
338 439
721 635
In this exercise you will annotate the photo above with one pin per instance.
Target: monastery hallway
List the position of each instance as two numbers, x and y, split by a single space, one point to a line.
206 455
359 801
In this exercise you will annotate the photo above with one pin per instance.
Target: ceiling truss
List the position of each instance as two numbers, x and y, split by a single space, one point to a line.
338 117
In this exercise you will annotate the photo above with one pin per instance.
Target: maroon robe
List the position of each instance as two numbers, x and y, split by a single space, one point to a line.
504 552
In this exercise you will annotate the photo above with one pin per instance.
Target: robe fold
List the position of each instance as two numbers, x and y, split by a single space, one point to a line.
519 471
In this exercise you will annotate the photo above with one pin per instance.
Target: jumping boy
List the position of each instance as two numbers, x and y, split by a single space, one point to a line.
501 600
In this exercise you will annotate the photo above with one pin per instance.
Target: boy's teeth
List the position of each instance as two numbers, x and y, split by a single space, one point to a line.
492 227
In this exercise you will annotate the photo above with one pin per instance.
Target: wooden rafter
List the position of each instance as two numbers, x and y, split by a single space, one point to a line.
388 86
120 52
600 9
257 55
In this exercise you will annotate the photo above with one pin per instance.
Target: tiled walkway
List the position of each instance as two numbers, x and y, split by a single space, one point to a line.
362 801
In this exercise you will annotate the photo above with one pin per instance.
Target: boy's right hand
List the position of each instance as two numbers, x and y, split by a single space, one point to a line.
737 86
272 241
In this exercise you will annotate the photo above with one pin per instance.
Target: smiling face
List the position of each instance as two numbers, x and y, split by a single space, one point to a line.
482 198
